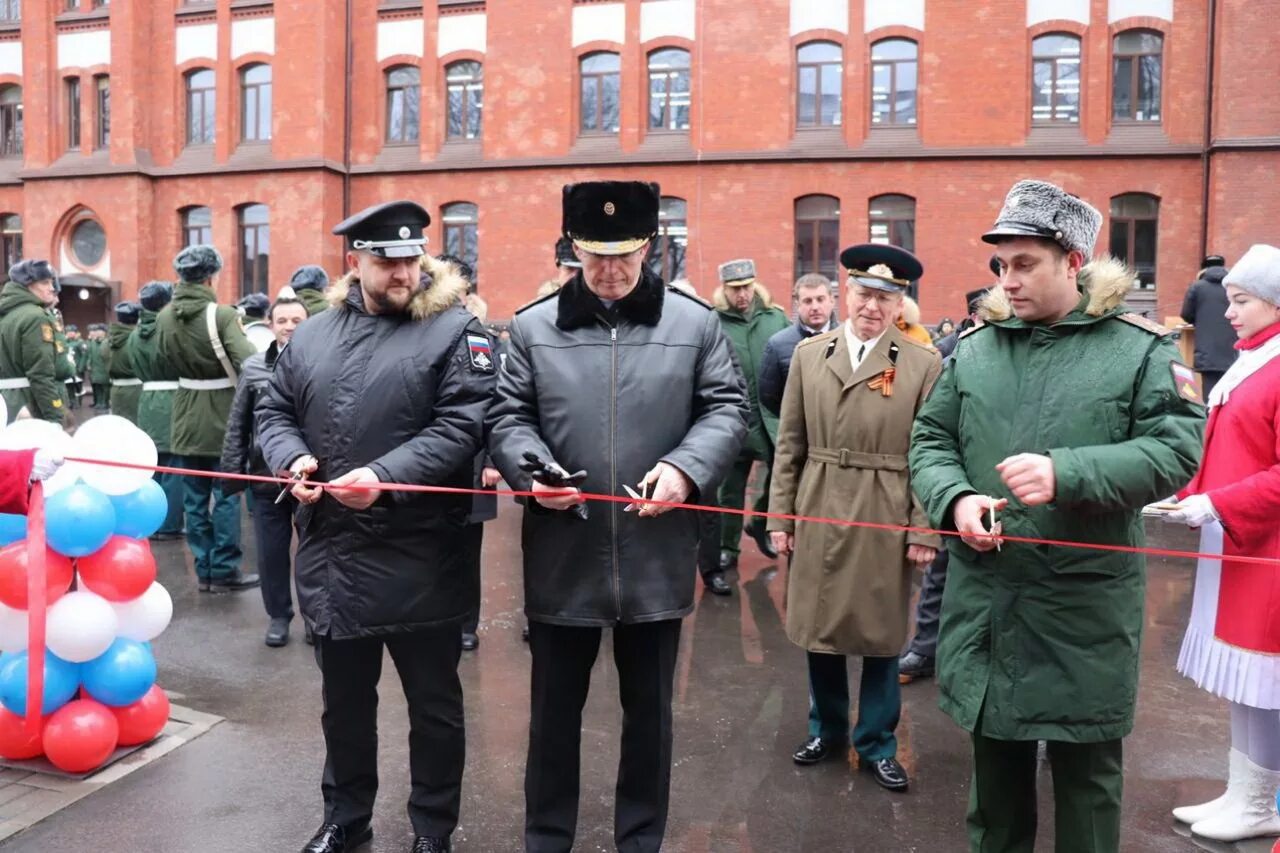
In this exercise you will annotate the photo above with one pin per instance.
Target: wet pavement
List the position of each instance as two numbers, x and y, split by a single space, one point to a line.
252 783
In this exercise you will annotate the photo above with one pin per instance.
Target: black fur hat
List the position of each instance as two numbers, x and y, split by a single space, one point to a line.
610 217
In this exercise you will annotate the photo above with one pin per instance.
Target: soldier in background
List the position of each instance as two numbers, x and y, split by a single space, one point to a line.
99 379
253 308
126 387
28 343
155 405
309 285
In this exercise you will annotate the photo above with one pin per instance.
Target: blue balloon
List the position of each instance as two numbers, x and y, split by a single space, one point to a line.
12 528
61 681
121 675
140 513
78 520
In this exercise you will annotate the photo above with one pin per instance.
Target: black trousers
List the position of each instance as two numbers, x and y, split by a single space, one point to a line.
471 542
929 608
273 529
1208 379
562 658
427 662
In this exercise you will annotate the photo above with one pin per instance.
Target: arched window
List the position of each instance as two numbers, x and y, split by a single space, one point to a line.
10 240
1055 79
197 227
893 82
669 95
600 82
201 104
892 219
255 103
255 248
817 226
1135 83
11 122
88 242
462 234
819 70
404 96
1135 221
667 251
464 82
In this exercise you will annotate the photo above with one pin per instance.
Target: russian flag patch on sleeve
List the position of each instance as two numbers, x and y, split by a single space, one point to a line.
481 352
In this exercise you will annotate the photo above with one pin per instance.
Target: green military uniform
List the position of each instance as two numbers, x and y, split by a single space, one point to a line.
155 407
126 387
1036 642
64 363
77 356
313 300
29 356
749 333
96 358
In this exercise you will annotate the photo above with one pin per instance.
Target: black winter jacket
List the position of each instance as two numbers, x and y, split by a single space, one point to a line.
1204 307
406 396
776 363
241 452
613 392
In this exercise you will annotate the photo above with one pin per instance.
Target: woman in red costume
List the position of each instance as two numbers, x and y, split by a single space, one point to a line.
1232 645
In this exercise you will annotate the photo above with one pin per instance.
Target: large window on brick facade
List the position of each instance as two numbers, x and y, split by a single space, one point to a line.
462 234
71 86
668 250
669 94
102 128
1135 221
464 83
1136 77
197 226
10 239
892 219
255 248
817 227
600 83
255 103
404 95
1055 79
11 122
893 82
201 105
819 71
10 11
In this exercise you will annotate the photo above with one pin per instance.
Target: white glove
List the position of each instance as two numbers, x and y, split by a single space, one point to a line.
45 464
1195 511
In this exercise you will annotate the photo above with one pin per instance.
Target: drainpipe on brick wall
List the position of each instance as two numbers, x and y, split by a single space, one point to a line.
346 118
1205 163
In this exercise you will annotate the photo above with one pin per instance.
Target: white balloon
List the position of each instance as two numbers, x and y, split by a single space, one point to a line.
115 439
34 435
80 627
145 617
13 629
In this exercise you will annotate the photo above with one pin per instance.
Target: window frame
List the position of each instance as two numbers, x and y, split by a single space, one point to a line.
10 241
249 266
1130 224
471 90
10 13
668 78
667 222
102 111
814 224
207 99
253 92
817 66
187 229
1054 61
468 232
892 65
1135 77
11 125
599 79
74 105
411 133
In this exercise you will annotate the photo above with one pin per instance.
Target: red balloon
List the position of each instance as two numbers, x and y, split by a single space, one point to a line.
16 743
13 575
121 570
144 719
80 736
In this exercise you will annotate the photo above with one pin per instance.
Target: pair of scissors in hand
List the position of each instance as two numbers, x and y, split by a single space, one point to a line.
288 487
637 498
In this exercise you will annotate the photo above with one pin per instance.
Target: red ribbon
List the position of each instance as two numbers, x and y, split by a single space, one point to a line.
37 595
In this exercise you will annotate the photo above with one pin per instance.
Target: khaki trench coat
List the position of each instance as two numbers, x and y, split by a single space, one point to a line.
842 453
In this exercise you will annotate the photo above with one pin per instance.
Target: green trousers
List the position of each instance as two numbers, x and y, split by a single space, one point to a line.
733 492
1087 783
879 704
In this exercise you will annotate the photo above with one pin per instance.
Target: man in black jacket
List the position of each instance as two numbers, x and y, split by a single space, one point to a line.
635 386
390 385
814 306
1205 307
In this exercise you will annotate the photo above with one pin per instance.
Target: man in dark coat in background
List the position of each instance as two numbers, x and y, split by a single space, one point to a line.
390 385
1205 307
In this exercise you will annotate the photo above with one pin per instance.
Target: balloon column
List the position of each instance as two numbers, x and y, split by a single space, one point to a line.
103 604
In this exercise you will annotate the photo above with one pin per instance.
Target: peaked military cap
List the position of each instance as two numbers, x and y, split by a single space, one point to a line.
154 295
309 277
738 273
1041 209
197 264
390 230
610 217
565 256
1213 261
128 312
881 266
27 273
255 305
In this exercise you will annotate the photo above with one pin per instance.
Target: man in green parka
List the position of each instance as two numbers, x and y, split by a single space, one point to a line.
1064 414
205 343
126 387
28 343
96 357
155 405
749 318
309 284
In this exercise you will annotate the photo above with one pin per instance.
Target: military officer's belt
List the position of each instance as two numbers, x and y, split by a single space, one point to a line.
125 382
14 384
846 458
160 386
206 384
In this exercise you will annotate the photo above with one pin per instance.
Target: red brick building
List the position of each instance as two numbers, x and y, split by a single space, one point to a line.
778 129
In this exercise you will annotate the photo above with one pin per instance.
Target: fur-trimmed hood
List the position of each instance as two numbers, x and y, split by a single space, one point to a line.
1105 281
721 302
443 287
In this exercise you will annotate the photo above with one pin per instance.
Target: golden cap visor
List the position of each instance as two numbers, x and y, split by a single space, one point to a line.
600 247
878 282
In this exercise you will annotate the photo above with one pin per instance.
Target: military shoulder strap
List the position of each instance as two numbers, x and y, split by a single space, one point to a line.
969 331
211 325
1146 325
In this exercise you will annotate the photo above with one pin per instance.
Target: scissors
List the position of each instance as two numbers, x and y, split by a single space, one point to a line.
296 478
637 498
992 508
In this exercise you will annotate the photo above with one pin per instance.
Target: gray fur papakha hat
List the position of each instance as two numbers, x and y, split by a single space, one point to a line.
1041 209
154 295
1258 273
27 273
738 273
197 264
309 277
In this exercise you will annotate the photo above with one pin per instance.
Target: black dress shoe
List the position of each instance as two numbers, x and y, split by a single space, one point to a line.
427 844
816 749
470 642
728 560
716 583
166 537
331 838
758 533
912 666
237 582
278 632
888 773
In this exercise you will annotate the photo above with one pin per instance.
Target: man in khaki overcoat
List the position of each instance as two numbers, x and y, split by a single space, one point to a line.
851 397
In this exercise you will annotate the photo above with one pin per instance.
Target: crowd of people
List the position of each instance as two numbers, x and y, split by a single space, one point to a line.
1050 412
